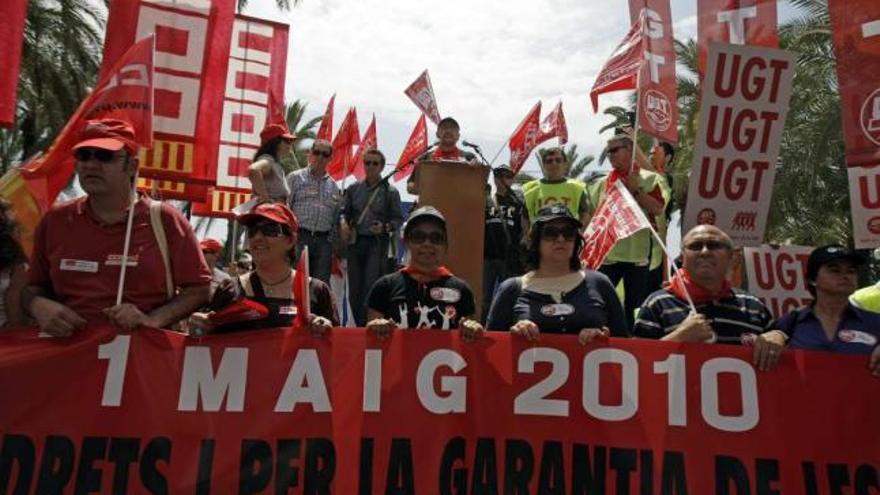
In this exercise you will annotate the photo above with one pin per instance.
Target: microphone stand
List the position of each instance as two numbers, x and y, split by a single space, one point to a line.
477 149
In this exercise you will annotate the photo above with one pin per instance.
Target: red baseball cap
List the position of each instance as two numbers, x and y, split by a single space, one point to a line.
211 245
272 131
275 212
108 134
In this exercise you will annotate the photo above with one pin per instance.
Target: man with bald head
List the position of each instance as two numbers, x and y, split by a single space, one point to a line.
723 314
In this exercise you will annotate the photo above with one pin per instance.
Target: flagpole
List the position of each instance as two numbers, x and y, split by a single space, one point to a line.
499 152
126 244
635 136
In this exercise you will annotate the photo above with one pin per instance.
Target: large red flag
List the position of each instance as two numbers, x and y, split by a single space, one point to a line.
524 138
617 217
739 22
125 93
348 135
554 126
301 290
13 13
422 94
621 71
369 142
415 147
325 132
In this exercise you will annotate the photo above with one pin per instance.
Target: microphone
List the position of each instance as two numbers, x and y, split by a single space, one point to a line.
470 145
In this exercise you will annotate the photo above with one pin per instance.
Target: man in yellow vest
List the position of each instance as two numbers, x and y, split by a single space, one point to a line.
555 187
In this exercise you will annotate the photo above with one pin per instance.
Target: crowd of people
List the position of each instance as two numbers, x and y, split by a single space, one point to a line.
533 279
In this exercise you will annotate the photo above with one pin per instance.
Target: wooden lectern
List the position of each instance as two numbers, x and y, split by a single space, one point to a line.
458 190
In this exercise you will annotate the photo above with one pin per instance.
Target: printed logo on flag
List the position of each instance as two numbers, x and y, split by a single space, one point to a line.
871 117
658 109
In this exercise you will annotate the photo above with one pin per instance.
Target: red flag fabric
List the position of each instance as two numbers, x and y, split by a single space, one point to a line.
325 132
415 147
739 22
618 216
658 85
125 93
554 126
422 94
301 290
369 142
524 138
348 135
13 13
621 71
856 35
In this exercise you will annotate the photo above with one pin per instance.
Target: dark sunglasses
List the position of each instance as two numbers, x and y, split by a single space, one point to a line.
99 154
420 236
698 246
553 233
551 161
614 149
372 163
268 229
325 154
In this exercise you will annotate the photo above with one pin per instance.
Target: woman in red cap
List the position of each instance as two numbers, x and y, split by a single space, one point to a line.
266 173
271 239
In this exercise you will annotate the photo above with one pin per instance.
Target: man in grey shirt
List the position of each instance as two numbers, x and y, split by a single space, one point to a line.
371 213
316 200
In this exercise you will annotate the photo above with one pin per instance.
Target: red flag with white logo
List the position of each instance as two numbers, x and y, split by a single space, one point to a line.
422 94
738 22
617 217
347 136
524 138
125 93
621 71
13 13
301 290
554 126
369 142
415 147
325 132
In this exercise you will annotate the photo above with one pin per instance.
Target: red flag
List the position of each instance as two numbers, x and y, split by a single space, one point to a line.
347 136
369 142
554 126
524 138
622 69
13 13
422 94
415 147
301 290
325 132
126 93
618 216
739 22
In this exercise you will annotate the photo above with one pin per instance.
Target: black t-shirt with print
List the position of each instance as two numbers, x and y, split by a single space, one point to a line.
438 304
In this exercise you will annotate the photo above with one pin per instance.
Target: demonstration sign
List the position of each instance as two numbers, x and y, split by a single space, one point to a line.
284 412
864 200
742 115
738 22
777 276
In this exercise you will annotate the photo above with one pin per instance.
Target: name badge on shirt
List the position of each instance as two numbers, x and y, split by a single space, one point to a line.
445 294
557 309
116 260
856 337
69 265
287 310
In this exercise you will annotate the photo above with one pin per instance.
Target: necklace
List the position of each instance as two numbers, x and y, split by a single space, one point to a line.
268 287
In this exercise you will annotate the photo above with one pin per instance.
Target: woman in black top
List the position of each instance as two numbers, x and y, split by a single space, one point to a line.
271 229
556 296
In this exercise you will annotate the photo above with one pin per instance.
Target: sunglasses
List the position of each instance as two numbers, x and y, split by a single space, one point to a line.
101 155
551 161
372 163
613 150
698 246
420 236
268 229
552 233
325 154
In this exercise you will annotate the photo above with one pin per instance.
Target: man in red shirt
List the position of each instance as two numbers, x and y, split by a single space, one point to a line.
448 132
78 246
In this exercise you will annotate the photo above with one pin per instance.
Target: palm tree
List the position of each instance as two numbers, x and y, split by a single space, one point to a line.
294 114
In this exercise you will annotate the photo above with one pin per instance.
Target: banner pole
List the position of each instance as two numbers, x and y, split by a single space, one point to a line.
499 152
635 136
126 244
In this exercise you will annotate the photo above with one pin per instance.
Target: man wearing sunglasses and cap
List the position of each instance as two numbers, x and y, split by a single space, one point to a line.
78 247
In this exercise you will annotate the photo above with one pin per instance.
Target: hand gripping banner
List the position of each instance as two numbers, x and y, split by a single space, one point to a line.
284 412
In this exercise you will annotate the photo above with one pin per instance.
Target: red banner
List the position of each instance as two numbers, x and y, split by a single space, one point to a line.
369 142
325 132
192 40
856 25
742 115
348 135
621 70
524 138
738 22
777 276
864 198
13 13
554 126
658 86
618 216
254 84
422 94
156 412
415 147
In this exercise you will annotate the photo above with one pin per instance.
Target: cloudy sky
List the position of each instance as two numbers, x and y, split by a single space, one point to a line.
489 60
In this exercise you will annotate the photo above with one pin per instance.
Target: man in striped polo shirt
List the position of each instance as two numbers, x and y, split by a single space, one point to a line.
723 314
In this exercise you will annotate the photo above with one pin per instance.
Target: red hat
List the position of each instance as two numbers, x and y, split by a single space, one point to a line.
275 212
211 245
108 134
272 131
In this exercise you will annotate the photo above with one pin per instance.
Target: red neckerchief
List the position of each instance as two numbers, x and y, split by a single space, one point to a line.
681 281
422 276
617 175
453 154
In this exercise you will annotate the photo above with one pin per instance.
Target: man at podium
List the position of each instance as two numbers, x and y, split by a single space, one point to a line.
448 133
